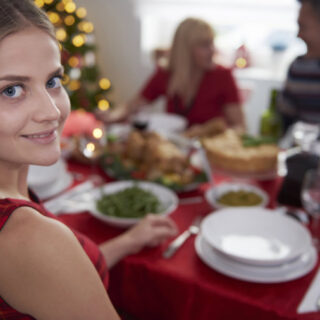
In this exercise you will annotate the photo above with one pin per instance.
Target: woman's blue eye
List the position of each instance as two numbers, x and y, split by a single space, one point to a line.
13 91
54 82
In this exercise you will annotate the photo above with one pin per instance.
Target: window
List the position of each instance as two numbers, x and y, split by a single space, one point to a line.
262 25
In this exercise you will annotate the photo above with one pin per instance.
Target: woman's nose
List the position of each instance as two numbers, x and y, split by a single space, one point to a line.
46 107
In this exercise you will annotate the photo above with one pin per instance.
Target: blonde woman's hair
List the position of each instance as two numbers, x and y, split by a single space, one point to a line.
189 32
16 15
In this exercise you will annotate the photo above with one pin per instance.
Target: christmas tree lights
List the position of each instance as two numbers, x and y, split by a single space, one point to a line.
87 90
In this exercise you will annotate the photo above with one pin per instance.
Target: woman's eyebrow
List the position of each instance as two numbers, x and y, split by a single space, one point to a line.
14 78
10 77
58 71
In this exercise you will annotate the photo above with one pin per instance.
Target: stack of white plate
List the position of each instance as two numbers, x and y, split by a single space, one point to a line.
255 244
47 181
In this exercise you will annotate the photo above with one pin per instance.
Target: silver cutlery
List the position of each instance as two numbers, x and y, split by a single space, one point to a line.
318 303
179 241
311 299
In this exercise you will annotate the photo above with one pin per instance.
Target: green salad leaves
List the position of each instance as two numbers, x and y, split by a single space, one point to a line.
251 141
132 202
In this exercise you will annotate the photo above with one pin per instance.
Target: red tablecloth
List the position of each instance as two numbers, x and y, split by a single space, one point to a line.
149 287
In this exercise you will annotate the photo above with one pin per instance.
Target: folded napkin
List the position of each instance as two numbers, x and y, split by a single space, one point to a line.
71 201
309 301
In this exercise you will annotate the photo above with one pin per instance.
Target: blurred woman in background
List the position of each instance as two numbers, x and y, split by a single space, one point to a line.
193 85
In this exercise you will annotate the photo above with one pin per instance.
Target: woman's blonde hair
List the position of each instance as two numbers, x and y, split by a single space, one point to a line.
189 32
16 15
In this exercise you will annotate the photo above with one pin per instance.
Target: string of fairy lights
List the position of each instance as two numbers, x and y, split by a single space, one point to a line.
77 43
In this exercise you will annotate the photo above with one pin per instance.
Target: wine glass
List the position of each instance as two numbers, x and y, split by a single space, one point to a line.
310 196
304 134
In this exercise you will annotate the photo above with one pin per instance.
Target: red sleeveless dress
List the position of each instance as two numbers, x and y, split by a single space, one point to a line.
7 207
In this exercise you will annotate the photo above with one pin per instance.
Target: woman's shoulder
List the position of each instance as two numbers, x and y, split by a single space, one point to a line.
35 251
27 225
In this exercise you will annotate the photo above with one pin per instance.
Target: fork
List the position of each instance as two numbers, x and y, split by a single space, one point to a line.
180 240
318 303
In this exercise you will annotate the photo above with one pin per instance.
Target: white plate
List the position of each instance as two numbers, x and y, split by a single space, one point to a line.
256 235
261 274
215 192
162 121
45 176
168 199
47 181
62 183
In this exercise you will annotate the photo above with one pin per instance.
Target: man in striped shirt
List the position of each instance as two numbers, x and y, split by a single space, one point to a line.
300 98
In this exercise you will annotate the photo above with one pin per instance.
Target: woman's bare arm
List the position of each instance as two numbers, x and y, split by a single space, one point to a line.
45 272
234 116
122 112
150 231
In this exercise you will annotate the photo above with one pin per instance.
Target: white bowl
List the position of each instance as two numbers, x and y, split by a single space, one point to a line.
256 236
162 121
167 198
215 192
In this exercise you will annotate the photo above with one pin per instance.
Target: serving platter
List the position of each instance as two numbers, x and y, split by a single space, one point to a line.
117 162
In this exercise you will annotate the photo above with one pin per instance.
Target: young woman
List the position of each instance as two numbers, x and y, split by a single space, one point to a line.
194 86
46 270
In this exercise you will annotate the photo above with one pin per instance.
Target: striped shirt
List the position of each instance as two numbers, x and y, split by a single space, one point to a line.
300 98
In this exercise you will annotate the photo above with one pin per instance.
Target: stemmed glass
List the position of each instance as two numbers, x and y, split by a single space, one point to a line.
310 196
304 134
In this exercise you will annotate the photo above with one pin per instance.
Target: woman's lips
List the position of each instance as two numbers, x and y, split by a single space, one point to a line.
42 138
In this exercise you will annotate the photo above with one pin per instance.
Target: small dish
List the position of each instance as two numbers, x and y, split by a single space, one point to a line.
215 193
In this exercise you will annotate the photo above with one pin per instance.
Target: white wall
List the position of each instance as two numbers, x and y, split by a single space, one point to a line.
117 33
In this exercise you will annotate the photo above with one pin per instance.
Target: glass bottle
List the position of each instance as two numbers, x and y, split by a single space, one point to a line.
270 123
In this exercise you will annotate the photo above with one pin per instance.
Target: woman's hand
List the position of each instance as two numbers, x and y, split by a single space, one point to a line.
149 232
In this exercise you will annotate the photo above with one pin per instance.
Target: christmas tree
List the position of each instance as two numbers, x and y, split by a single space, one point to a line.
87 90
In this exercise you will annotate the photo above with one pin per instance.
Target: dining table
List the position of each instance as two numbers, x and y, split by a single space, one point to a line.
146 286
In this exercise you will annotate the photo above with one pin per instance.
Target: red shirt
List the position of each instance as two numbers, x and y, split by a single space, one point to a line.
7 207
217 88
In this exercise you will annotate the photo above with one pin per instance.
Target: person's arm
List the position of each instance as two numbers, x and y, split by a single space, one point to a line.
44 271
123 111
150 231
152 89
234 116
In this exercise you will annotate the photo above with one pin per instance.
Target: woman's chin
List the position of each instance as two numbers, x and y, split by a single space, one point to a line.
48 161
